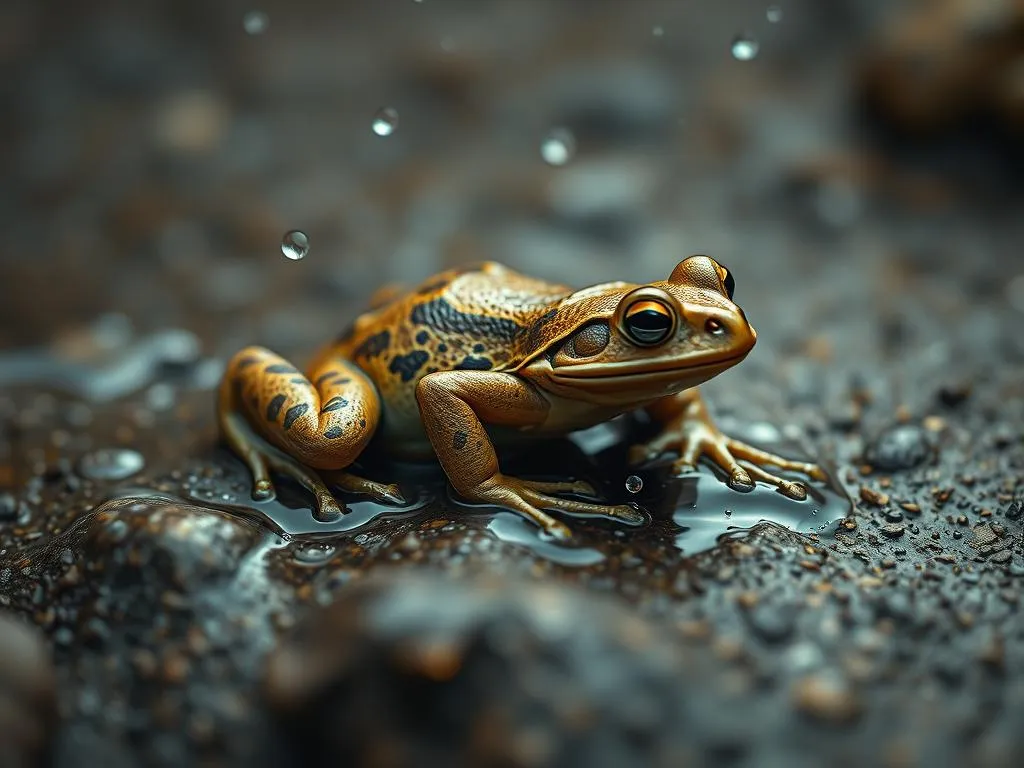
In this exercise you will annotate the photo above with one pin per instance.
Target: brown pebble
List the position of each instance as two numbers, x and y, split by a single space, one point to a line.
871 496
826 698
910 506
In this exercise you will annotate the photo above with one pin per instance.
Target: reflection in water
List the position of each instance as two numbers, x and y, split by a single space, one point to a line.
690 513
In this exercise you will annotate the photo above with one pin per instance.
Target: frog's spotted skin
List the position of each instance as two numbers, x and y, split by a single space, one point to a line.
484 353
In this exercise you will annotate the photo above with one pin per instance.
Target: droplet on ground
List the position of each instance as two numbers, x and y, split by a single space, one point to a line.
745 47
558 146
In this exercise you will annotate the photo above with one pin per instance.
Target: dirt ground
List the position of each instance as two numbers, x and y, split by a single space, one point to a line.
862 177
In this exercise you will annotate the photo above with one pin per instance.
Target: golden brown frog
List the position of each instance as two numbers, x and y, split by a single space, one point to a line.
484 355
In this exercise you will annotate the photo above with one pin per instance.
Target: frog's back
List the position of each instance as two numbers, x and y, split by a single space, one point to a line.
473 318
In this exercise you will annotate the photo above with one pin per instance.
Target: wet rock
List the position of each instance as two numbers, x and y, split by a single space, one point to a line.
158 544
903 446
28 706
436 672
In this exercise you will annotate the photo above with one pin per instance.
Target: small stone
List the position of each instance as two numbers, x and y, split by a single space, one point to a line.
827 698
893 530
954 394
1015 510
871 496
1002 556
8 507
900 447
907 506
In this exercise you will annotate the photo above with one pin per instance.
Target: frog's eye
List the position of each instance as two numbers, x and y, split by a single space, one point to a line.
648 322
730 283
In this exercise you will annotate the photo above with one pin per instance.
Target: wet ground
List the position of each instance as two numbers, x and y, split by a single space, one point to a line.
154 157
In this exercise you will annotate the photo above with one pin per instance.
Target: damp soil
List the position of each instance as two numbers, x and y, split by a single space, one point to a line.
151 612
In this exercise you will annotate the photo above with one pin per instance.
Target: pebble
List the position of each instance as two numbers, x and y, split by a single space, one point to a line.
827 698
893 530
902 446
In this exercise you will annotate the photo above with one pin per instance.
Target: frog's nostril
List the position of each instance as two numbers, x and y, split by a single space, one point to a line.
714 327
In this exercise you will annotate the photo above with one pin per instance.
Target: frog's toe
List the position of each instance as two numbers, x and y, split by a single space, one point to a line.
626 513
740 480
795 491
263 490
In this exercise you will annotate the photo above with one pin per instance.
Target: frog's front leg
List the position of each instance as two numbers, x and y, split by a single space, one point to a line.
455 405
277 419
688 428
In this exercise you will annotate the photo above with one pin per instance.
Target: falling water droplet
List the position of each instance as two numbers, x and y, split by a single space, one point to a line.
295 245
745 47
634 484
558 146
728 513
111 464
255 22
385 121
774 14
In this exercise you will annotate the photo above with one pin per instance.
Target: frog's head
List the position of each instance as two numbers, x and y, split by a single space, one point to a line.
622 344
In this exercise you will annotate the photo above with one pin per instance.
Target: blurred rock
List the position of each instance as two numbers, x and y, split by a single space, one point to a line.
422 671
28 703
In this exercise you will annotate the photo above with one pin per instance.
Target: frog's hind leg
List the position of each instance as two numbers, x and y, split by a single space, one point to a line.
277 419
385 493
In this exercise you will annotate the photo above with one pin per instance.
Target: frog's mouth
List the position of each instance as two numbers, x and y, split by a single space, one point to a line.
669 375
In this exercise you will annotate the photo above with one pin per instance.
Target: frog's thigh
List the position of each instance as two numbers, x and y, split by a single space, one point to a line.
324 421
454 406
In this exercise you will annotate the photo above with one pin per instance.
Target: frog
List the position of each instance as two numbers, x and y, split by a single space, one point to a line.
482 357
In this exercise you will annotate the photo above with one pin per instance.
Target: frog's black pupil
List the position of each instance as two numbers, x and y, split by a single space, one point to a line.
730 283
648 326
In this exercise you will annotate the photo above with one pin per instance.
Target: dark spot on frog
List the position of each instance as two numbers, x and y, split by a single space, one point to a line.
293 413
470 363
333 433
362 422
459 440
441 316
245 362
274 407
345 380
478 348
422 337
374 345
334 404
324 377
534 337
281 368
442 348
407 365
298 380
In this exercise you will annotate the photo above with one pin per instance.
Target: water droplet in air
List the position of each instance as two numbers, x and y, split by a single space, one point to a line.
385 121
774 14
255 22
111 464
728 513
658 31
295 245
744 47
634 484
558 146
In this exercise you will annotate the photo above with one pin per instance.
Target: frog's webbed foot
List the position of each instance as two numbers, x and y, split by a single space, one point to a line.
262 459
694 435
529 497
380 492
